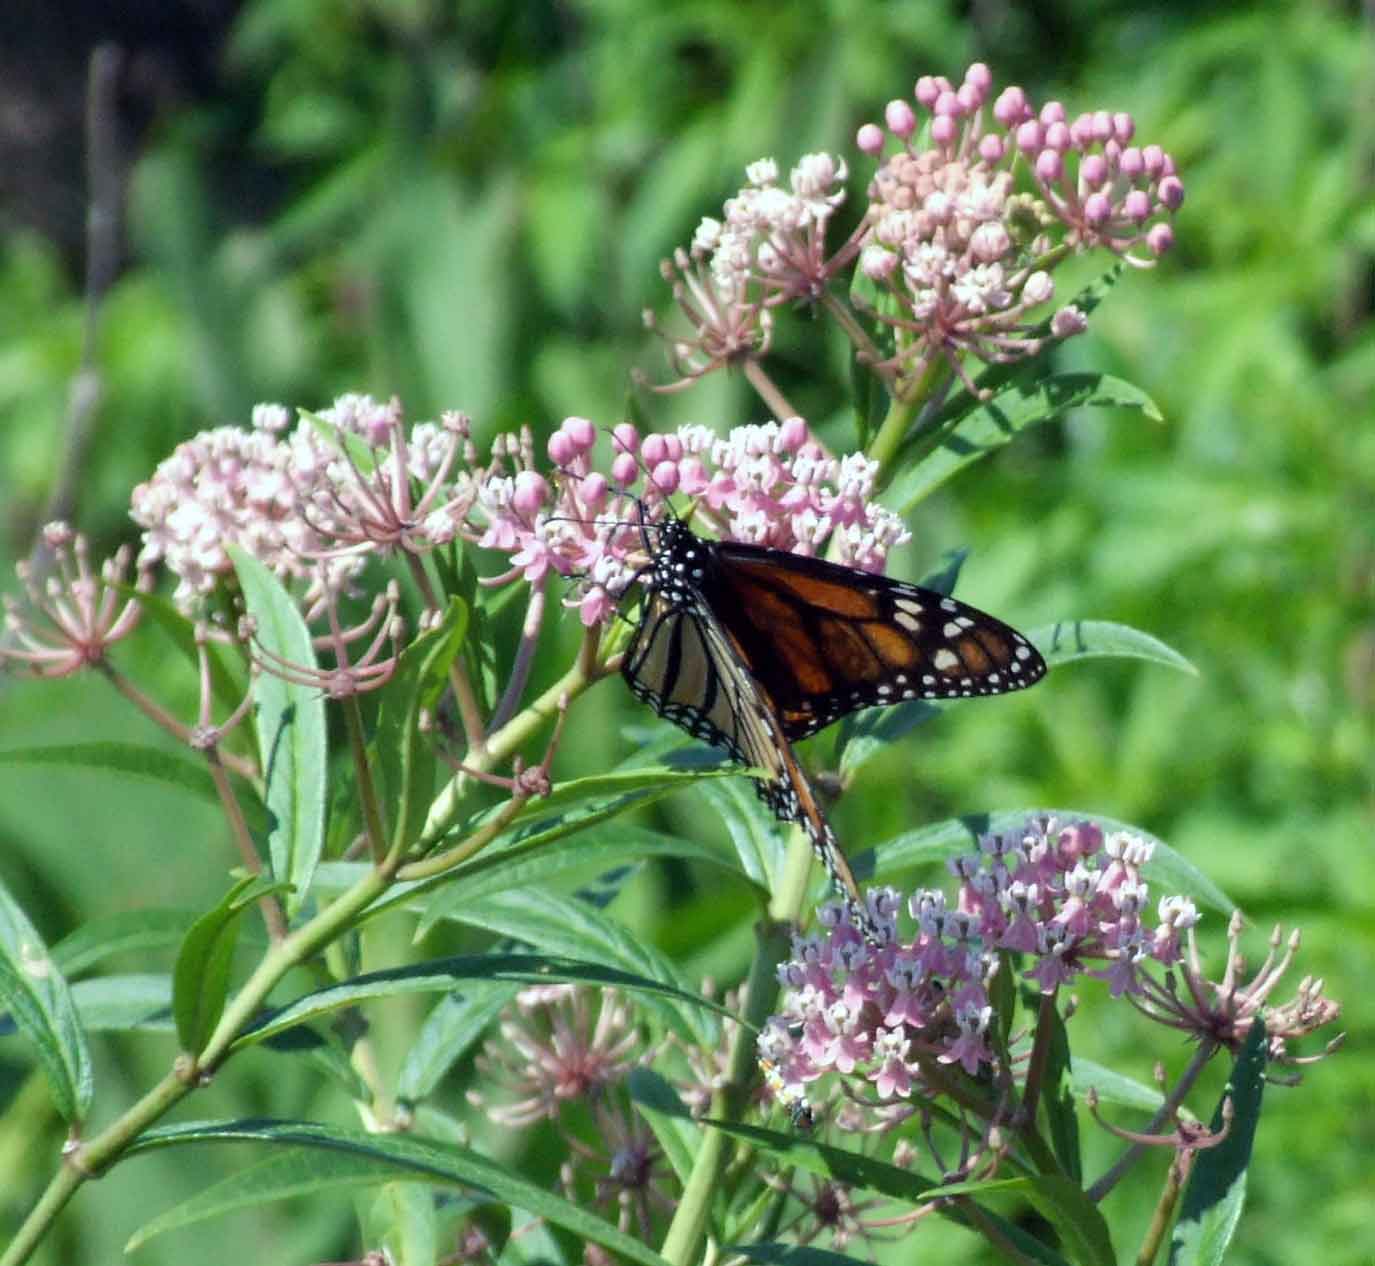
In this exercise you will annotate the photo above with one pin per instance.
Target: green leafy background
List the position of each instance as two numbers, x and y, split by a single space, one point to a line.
465 204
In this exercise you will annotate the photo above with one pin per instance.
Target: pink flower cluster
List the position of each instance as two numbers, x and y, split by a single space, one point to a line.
316 503
769 484
964 254
769 248
1072 901
298 501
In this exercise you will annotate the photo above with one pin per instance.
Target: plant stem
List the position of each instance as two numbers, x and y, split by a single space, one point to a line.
682 1244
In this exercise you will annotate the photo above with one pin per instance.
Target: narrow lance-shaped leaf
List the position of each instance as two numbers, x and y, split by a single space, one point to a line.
37 996
405 757
1212 1202
291 731
200 979
398 1156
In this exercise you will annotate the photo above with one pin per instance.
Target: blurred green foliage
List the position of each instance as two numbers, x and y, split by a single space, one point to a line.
464 205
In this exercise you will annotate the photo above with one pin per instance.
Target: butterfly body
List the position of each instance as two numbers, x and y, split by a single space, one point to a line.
751 649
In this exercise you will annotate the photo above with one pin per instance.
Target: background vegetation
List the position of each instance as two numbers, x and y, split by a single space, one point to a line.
464 204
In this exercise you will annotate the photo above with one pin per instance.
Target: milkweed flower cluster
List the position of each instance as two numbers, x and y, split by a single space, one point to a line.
962 227
768 248
298 502
962 252
315 506
1068 899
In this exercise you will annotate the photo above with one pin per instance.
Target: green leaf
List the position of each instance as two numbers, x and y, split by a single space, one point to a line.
292 1171
200 979
946 839
135 760
292 743
864 736
1027 401
413 1158
573 930
1212 1202
1113 1087
405 758
454 1025
116 1004
443 975
402 1222
128 931
1068 640
1081 1227
1058 1101
38 998
855 1170
793 1255
759 844
668 1116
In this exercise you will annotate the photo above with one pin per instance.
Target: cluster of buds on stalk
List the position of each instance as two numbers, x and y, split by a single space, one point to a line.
962 227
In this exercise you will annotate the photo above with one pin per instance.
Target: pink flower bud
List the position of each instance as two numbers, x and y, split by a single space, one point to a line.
1123 126
653 450
926 91
1058 137
675 447
1052 112
1112 151
1154 158
948 103
580 431
1136 206
562 450
979 76
1081 131
1130 164
593 490
624 469
530 493
1159 239
626 438
1102 126
1038 288
1170 191
869 140
1068 322
1097 210
792 435
1049 166
992 147
900 118
1030 136
944 129
1093 172
1011 108
969 97
665 477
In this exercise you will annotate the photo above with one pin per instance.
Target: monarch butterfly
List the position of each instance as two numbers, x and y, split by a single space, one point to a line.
751 649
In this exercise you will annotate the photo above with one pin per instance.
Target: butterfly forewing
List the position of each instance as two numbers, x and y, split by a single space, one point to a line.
825 641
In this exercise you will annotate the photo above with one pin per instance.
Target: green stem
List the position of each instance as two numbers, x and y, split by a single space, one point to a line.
362 769
683 1242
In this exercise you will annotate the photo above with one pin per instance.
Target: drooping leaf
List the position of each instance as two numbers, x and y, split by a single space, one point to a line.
1066 641
391 1156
